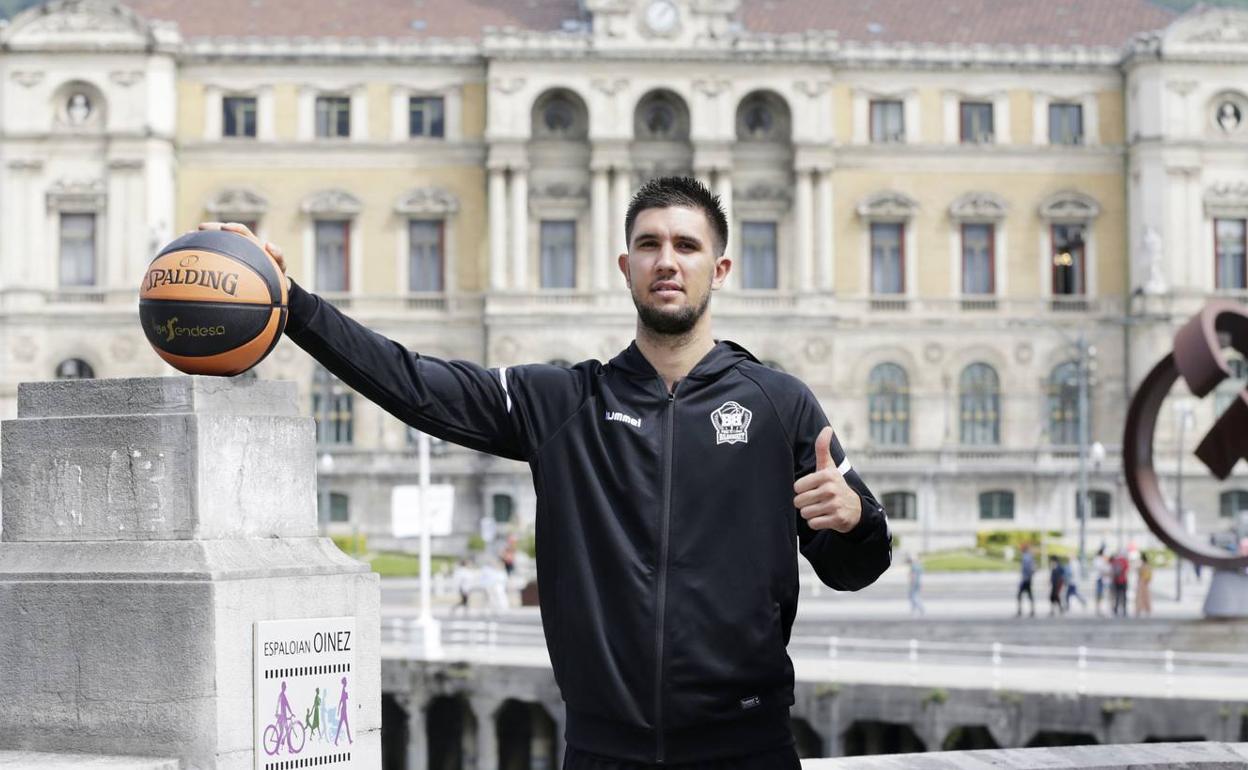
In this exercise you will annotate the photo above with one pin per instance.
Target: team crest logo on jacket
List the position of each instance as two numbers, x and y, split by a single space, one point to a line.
731 421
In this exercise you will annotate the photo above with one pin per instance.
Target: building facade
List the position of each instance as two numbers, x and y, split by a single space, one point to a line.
940 221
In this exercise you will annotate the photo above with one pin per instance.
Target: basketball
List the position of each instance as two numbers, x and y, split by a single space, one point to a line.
213 302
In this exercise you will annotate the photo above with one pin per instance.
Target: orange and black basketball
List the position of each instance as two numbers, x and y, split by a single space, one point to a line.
213 302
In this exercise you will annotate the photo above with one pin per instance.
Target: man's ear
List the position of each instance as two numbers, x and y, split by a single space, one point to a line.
723 266
622 261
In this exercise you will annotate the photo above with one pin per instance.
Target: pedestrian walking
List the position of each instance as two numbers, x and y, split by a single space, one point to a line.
1072 574
669 645
1104 576
1027 570
916 585
1143 589
1057 584
1120 567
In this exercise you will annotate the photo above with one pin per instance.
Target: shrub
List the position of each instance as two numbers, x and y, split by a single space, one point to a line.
354 544
476 543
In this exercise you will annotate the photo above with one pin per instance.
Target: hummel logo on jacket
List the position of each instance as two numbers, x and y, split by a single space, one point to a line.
666 535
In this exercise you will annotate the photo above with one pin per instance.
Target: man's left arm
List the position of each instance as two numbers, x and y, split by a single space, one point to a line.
841 527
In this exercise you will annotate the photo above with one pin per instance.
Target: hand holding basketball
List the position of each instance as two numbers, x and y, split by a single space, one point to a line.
246 232
824 498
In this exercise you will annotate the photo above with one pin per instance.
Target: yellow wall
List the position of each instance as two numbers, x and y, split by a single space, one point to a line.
1020 117
380 226
931 116
931 227
473 115
378 112
286 109
1113 123
843 110
190 111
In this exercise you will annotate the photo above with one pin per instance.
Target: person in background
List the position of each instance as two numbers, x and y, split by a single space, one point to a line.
1027 570
916 585
464 580
1057 585
1104 576
1143 594
1120 568
1070 568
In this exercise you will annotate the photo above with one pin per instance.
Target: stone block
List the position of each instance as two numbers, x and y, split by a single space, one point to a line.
215 469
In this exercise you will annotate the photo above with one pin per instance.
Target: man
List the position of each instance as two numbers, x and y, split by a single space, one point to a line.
673 484
1027 569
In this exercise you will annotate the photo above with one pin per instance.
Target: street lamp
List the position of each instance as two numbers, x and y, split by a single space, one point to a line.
430 629
1183 411
1084 364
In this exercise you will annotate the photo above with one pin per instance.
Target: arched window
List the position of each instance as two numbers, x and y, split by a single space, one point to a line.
763 116
979 391
997 504
661 116
1228 390
1064 404
504 508
74 369
332 408
900 506
560 114
888 405
1232 503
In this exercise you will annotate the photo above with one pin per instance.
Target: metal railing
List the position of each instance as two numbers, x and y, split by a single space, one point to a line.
994 657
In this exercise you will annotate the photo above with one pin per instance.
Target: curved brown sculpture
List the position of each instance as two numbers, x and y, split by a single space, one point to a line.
1197 358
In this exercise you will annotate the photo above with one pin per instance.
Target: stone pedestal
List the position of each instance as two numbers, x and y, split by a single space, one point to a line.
1228 595
148 524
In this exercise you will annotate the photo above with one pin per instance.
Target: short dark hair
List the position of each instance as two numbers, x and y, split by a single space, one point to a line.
666 191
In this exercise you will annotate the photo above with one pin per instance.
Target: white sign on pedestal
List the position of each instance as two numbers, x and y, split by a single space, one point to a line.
304 694
405 509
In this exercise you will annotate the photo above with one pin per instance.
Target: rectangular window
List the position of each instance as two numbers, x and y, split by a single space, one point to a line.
976 122
333 117
339 507
996 505
888 252
900 505
758 256
558 254
424 255
333 255
77 249
1229 252
978 271
238 117
424 116
888 122
1065 124
1069 270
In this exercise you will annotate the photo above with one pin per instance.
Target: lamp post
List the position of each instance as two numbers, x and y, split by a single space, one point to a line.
430 629
1183 410
1097 454
1083 364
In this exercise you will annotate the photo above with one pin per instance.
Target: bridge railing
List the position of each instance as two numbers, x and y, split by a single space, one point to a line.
466 633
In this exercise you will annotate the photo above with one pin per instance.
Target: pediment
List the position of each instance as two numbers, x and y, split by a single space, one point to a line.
332 202
427 201
84 25
889 204
1210 31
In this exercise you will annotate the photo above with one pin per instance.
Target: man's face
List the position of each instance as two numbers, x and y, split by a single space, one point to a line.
671 268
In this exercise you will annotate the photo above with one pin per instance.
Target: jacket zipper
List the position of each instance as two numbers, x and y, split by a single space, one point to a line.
663 538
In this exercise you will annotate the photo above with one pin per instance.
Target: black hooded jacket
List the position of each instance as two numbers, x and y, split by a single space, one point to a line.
666 534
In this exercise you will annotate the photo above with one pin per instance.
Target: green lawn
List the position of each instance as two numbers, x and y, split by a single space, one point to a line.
964 561
391 564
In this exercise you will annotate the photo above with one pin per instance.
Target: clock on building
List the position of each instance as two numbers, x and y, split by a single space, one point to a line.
662 17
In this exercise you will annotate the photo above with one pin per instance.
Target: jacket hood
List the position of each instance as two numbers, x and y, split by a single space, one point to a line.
724 356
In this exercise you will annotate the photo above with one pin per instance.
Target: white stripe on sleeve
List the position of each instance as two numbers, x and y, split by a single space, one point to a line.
844 467
502 377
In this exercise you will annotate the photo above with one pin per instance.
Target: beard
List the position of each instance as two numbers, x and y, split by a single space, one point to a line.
671 322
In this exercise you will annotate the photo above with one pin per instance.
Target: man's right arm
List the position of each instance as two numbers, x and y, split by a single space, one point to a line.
457 401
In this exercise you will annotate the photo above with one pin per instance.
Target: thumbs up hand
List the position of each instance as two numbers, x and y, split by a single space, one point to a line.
824 498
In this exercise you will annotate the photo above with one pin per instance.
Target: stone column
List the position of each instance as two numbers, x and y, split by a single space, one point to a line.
484 709
803 242
520 278
600 254
149 523
417 732
621 197
723 188
825 229
498 229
